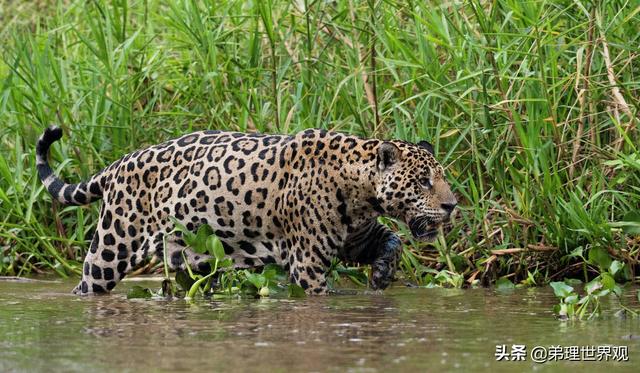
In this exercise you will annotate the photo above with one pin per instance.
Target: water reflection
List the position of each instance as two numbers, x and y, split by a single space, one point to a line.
44 328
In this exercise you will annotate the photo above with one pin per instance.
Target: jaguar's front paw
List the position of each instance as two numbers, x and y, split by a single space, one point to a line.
382 275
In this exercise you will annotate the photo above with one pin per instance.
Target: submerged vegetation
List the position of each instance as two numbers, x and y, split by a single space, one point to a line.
533 107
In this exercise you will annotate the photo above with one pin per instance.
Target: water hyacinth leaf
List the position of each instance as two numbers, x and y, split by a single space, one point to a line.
615 267
269 274
199 241
560 289
138 292
607 281
280 273
256 279
593 285
504 284
600 257
214 246
296 291
571 299
275 288
225 263
187 235
617 290
247 288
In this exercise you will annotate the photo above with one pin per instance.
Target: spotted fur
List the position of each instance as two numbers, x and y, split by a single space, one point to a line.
298 201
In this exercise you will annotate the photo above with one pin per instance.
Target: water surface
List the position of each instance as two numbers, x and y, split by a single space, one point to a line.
45 328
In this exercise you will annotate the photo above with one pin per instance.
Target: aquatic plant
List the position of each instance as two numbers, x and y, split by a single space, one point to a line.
223 280
575 306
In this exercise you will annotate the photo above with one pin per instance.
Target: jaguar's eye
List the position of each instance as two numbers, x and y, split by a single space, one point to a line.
425 182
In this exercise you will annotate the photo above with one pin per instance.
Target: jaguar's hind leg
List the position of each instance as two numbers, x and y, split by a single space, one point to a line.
109 259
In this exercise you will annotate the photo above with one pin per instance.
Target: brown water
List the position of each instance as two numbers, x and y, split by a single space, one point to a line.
44 328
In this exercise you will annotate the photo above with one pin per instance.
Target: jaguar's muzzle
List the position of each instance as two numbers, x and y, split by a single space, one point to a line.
424 228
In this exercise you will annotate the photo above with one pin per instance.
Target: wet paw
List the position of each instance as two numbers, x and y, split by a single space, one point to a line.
382 275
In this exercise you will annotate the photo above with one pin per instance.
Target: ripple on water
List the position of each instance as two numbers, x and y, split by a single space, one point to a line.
402 329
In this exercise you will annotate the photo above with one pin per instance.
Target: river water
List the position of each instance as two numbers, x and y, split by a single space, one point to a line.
45 328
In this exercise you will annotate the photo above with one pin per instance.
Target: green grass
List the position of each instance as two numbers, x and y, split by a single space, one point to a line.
532 106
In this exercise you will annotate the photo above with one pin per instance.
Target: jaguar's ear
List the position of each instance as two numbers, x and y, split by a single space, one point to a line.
388 154
426 145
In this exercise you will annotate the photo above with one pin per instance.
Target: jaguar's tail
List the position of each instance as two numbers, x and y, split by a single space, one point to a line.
68 194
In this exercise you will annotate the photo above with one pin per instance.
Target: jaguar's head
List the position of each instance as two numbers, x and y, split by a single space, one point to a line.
412 187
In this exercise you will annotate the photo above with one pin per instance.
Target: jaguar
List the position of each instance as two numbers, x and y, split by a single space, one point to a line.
298 201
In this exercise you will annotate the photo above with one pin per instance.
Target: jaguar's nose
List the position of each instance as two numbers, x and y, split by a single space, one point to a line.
448 207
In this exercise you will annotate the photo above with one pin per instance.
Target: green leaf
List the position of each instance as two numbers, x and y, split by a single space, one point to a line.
607 281
269 274
600 257
277 273
631 223
459 262
617 290
215 247
576 253
187 235
593 285
615 267
199 241
558 308
571 299
225 263
504 284
256 279
561 290
353 274
138 291
573 281
246 287
184 280
296 291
